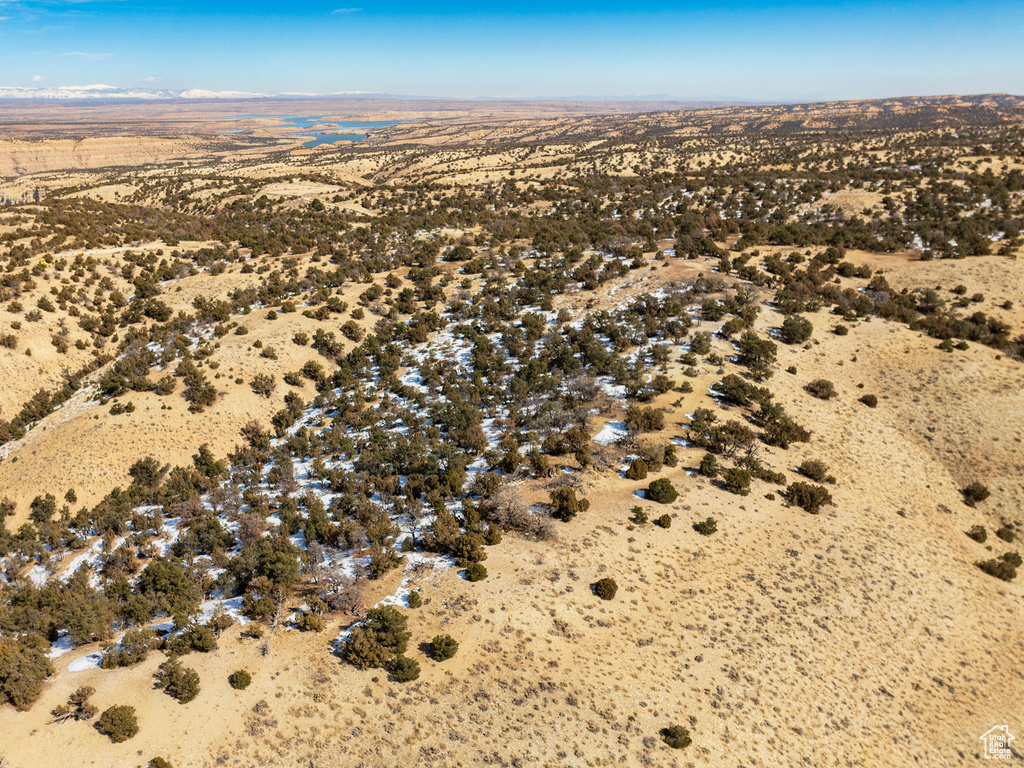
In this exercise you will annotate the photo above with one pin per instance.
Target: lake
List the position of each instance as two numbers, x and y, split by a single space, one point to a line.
358 128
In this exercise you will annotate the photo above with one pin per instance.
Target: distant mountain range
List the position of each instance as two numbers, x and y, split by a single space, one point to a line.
100 91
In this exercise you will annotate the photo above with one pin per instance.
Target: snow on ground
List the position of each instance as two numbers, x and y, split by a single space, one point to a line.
38 575
60 646
89 661
611 432
612 390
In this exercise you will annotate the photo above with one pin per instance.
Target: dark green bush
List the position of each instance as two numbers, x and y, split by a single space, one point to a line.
823 389
814 469
737 480
196 638
180 682
1004 567
665 521
709 466
637 470
240 679
119 723
676 736
662 491
403 669
382 637
1006 534
978 533
476 572
808 497
795 329
443 647
415 599
639 516
644 419
706 527
606 588
311 622
974 493
869 400
565 505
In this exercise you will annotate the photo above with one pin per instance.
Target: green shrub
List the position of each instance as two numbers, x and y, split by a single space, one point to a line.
403 669
476 572
159 762
644 419
415 599
869 400
78 706
814 469
364 650
808 497
119 723
133 648
443 647
700 344
1006 534
383 636
1004 567
662 491
840 330
311 622
978 533
606 588
263 384
676 736
180 682
565 504
795 329
637 470
196 638
665 521
823 389
737 480
706 527
709 466
240 679
974 493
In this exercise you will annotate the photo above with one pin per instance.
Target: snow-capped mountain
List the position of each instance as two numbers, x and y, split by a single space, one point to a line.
100 91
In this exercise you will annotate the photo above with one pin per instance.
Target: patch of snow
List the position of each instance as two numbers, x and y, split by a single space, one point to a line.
611 432
89 661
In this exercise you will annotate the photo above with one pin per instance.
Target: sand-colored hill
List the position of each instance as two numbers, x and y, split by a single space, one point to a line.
865 635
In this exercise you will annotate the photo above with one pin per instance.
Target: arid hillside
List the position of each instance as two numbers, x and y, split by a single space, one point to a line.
513 437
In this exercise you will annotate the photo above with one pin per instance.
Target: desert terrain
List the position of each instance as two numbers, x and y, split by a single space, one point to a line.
674 417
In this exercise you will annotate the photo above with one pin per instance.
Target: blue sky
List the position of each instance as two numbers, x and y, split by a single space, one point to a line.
720 49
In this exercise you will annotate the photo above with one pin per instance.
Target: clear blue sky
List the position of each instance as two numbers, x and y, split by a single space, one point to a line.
710 49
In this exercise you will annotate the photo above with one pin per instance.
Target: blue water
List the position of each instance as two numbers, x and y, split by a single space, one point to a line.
318 137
